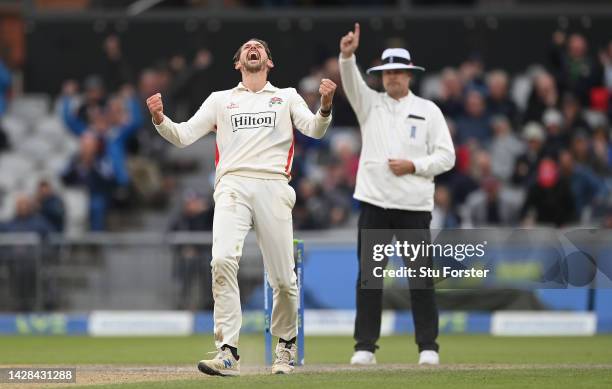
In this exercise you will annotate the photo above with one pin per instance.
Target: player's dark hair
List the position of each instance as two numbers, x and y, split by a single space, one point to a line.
264 44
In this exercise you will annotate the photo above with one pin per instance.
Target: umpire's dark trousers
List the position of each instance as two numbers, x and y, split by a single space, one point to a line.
369 301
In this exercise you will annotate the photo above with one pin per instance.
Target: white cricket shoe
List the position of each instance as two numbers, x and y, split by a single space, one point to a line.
429 357
285 359
363 357
223 364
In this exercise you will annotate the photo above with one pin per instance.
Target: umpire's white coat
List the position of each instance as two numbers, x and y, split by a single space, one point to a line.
412 128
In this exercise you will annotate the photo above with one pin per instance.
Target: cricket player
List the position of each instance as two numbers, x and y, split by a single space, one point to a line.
405 144
254 124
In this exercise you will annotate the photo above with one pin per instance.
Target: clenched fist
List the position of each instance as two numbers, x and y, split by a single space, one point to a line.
350 42
156 108
327 90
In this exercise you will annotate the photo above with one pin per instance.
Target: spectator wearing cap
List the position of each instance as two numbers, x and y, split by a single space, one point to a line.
549 198
506 148
498 101
526 165
474 125
557 138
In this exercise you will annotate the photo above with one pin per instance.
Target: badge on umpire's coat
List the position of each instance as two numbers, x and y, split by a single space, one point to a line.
413 131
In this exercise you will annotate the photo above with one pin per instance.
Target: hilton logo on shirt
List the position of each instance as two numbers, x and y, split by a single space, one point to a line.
244 121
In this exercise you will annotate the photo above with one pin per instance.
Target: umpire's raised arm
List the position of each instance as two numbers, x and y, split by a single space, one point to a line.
356 90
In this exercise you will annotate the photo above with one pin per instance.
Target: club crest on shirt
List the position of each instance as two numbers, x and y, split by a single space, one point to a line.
275 101
232 105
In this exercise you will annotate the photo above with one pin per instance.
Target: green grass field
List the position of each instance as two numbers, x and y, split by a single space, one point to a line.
468 361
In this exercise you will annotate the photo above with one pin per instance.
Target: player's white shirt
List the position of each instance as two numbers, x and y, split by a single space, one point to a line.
254 129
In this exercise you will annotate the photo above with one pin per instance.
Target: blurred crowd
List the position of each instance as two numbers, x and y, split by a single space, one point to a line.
544 160
120 162
531 148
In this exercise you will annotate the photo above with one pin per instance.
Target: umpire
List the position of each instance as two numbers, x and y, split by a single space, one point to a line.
405 144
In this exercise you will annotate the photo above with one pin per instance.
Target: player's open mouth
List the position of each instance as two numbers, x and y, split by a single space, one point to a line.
253 56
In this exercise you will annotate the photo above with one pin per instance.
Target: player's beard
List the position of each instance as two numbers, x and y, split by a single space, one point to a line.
253 68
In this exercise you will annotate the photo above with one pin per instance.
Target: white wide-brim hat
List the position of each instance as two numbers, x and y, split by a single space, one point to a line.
395 59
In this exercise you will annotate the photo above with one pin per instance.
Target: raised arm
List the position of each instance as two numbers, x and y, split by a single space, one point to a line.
185 133
357 91
134 123
309 124
74 124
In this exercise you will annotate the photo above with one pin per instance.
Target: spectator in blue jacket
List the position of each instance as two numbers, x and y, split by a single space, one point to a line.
124 119
92 170
114 126
78 115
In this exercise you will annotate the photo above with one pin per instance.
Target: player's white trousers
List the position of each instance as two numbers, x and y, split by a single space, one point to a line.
264 204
